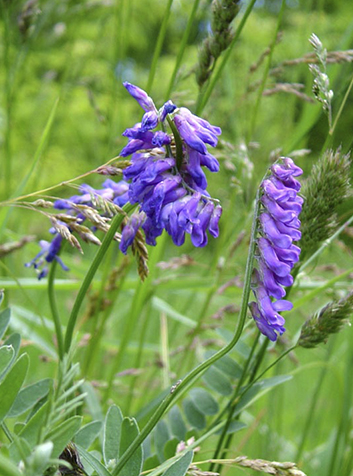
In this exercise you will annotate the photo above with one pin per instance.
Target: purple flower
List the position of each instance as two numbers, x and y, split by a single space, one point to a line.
48 253
279 227
130 230
171 193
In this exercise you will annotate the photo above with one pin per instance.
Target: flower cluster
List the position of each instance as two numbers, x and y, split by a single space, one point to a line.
112 191
279 227
166 175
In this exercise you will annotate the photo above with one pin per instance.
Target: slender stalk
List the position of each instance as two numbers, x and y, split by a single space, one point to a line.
313 403
159 44
205 96
192 376
181 51
116 222
266 72
344 100
54 310
233 401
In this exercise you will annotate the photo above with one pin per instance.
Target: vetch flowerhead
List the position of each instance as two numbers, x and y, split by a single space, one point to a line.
278 224
166 174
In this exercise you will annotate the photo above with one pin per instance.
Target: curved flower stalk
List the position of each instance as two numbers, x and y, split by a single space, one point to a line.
116 192
276 252
166 174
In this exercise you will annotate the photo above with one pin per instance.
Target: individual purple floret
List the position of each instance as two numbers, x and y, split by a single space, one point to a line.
169 184
277 254
47 254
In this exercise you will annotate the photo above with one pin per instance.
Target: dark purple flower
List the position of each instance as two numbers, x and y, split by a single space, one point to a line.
279 227
170 189
47 254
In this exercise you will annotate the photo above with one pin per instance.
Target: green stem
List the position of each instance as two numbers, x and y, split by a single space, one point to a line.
116 222
178 143
54 310
230 406
204 97
313 405
196 372
181 51
158 49
332 129
266 72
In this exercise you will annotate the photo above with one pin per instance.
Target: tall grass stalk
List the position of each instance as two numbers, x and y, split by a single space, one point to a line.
205 93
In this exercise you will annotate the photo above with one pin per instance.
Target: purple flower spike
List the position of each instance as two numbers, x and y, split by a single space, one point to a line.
171 190
279 227
141 96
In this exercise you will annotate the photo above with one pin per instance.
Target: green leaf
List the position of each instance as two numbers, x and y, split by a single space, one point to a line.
234 426
163 306
204 401
112 433
19 449
88 433
93 461
129 431
92 401
227 365
259 389
217 381
176 422
6 356
4 321
7 468
29 396
180 467
151 462
15 341
161 436
12 384
32 429
63 433
195 418
170 448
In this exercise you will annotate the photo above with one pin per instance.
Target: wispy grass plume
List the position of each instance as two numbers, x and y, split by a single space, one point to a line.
329 320
325 189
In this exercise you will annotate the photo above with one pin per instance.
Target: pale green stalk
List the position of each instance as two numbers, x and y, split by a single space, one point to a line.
54 310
